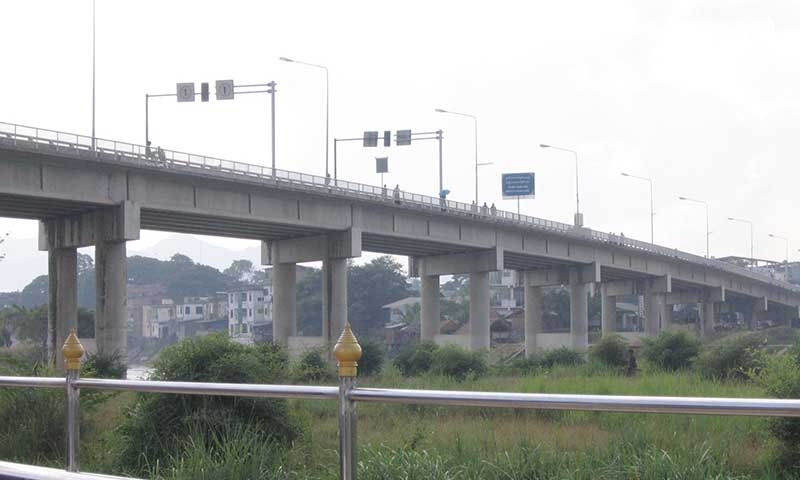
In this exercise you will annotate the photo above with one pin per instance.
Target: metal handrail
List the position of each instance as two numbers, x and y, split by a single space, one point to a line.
146 157
19 471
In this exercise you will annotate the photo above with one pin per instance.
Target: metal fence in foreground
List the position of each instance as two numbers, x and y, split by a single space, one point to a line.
347 352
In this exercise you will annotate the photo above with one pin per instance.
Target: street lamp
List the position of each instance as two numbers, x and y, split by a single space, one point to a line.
327 107
652 212
578 216
708 231
741 220
786 264
475 121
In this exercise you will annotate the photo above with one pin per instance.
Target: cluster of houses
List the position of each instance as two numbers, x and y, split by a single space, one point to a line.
245 314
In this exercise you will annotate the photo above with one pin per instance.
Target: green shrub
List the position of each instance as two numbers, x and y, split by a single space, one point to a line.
314 367
157 425
738 358
611 351
781 379
99 365
561 356
456 362
671 350
31 419
373 356
524 364
415 358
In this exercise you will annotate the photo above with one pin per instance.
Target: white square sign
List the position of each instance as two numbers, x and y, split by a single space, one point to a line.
185 92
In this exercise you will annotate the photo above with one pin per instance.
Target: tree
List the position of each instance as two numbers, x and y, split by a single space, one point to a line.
241 271
370 287
309 303
2 240
182 259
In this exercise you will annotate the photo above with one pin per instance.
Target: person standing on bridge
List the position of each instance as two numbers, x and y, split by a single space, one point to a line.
474 207
383 191
484 209
397 194
493 210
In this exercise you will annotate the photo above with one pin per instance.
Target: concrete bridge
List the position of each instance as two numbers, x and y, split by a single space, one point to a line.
104 196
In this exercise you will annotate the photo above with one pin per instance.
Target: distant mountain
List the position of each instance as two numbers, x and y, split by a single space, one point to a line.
200 251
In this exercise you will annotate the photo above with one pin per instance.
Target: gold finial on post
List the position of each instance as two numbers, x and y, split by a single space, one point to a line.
347 352
73 351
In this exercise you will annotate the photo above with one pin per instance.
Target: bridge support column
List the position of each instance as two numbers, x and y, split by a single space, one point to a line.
430 309
578 311
62 308
534 305
707 313
334 298
655 312
608 311
111 297
479 335
284 302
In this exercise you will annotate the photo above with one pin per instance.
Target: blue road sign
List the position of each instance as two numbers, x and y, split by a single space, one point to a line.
518 185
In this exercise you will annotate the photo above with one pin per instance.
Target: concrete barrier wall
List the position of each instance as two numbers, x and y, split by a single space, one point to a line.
460 340
552 341
297 346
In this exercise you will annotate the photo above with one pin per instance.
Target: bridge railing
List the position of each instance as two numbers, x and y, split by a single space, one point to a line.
81 146
348 352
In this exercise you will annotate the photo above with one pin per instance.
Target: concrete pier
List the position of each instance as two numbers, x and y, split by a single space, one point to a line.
608 311
284 304
111 274
707 311
430 308
62 312
578 311
334 298
534 306
479 334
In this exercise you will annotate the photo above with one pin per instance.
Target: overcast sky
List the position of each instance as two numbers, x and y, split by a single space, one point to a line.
701 96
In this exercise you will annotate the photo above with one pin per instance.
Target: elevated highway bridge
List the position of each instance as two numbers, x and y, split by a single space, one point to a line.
104 196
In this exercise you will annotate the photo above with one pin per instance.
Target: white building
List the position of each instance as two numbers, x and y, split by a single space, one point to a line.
250 314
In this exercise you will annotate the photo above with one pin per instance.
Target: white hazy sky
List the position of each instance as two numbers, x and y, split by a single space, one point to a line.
702 96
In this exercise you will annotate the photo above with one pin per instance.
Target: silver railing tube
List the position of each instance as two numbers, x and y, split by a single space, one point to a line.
347 352
73 351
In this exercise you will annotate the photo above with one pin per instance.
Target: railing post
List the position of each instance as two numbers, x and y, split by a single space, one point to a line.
347 352
73 351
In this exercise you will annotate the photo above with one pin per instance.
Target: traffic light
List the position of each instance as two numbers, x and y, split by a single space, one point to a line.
403 137
387 138
204 92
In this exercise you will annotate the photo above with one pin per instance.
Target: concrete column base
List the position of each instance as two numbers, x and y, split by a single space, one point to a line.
655 312
430 309
608 311
62 311
534 304
479 334
334 299
111 274
706 310
579 316
284 302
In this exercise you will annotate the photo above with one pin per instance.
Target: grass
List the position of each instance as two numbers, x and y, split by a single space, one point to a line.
433 442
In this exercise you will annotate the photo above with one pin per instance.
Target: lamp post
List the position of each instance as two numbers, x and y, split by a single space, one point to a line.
578 216
652 211
94 138
741 220
786 261
708 232
327 108
477 164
